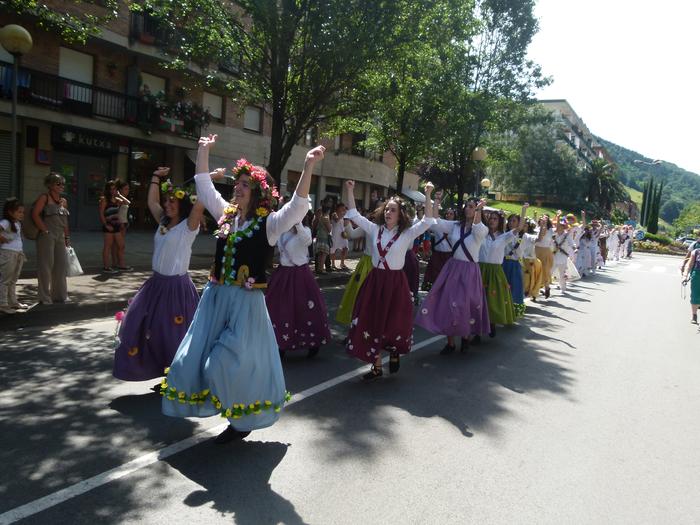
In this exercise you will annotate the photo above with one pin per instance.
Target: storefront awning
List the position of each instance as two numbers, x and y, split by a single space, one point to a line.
414 195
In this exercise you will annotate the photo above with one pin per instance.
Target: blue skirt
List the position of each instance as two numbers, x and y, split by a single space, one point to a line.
514 275
228 363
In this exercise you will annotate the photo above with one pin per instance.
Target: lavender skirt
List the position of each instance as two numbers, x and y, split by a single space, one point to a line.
456 304
297 309
412 271
156 321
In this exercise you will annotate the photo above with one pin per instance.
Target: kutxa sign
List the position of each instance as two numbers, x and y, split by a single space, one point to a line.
82 139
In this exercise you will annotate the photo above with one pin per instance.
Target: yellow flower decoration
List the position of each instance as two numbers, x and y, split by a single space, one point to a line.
166 371
262 212
228 412
179 319
133 351
179 194
229 210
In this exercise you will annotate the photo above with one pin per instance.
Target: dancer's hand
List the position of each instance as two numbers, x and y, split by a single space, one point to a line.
480 205
429 187
207 142
315 154
218 174
350 185
162 172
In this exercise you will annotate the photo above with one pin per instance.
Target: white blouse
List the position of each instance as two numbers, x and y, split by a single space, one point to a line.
14 239
567 243
527 246
294 247
396 255
473 242
172 251
493 249
358 233
546 240
277 222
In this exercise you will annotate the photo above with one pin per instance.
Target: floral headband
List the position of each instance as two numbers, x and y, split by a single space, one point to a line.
170 190
269 196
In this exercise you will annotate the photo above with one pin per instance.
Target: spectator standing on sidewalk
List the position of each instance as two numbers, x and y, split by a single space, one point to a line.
50 214
11 254
323 240
109 217
123 214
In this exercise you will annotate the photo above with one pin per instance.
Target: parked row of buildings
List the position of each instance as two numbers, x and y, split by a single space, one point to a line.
109 110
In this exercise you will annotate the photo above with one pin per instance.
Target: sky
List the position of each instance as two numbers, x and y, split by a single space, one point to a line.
630 70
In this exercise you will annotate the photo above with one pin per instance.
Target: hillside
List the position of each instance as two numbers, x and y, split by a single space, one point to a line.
680 186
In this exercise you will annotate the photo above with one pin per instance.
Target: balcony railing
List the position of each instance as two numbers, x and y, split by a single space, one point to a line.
70 96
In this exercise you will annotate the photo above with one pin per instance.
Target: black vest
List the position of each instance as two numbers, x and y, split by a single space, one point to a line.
252 251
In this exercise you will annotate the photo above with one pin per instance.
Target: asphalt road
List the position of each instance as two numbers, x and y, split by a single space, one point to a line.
584 413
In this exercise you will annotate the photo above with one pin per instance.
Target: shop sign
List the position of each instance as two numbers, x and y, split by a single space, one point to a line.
72 138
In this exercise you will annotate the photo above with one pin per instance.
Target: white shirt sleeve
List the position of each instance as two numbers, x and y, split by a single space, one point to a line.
479 231
303 234
443 226
362 222
419 227
206 192
282 220
354 233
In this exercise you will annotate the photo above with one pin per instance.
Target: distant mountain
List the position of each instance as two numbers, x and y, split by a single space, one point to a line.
681 187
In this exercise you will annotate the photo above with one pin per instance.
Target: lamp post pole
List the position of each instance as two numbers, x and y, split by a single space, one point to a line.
17 41
477 157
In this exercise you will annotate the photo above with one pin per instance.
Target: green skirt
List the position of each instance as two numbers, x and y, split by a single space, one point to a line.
344 314
695 287
498 297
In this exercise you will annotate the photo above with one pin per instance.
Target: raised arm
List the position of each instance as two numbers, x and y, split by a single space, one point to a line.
523 215
206 192
477 212
427 221
353 215
154 193
294 211
429 211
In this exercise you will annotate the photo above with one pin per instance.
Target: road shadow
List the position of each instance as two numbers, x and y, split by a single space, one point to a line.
62 419
235 480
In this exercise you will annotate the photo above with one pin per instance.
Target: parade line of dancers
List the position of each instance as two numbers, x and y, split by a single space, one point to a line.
221 353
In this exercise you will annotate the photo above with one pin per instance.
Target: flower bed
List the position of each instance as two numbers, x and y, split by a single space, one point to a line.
655 247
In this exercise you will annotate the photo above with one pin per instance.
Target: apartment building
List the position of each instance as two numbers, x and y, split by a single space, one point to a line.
109 110
575 133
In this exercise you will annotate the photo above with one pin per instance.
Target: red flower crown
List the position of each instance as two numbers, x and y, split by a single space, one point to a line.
268 194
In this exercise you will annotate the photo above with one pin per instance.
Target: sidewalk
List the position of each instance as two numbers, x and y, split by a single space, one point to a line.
96 295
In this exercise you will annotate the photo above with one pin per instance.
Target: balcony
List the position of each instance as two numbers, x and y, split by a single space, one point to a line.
147 30
68 96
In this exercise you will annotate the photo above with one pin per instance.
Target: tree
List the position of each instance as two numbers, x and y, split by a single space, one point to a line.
689 219
651 200
604 190
75 23
488 78
301 59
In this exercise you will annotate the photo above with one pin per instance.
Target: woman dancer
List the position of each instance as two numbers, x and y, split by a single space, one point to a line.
229 363
491 256
583 254
563 251
383 315
543 251
442 251
511 263
456 304
160 313
364 265
532 266
294 301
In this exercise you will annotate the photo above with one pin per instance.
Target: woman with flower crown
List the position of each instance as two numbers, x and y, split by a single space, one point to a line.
158 316
229 363
382 318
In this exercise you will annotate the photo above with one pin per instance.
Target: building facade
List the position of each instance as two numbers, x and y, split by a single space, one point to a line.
108 110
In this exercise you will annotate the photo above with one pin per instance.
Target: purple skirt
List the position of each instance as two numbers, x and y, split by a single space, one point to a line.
297 309
456 304
382 317
412 271
435 264
156 321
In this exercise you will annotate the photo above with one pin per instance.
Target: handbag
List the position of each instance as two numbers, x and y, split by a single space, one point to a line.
73 267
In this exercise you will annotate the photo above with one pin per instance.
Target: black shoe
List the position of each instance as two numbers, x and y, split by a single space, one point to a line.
492 333
448 349
546 293
476 339
313 352
230 434
374 373
694 320
465 345
394 362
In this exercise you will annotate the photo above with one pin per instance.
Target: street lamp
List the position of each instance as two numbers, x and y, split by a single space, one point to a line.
478 155
17 41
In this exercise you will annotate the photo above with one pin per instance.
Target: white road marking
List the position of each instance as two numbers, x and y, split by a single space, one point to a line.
72 491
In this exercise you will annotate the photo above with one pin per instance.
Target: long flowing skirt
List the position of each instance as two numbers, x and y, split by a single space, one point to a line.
456 304
156 321
228 363
583 260
546 256
532 270
412 271
514 276
297 309
344 314
500 302
382 317
435 265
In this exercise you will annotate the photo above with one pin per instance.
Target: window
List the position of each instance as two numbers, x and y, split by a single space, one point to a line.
155 84
76 66
253 119
5 56
311 137
215 105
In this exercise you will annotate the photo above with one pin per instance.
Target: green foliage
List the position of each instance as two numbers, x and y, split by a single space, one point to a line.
618 217
679 184
650 205
604 189
75 24
661 239
689 219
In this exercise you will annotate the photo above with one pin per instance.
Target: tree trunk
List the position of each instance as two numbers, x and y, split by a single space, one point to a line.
400 172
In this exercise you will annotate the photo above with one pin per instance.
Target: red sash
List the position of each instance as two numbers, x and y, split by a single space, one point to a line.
384 251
